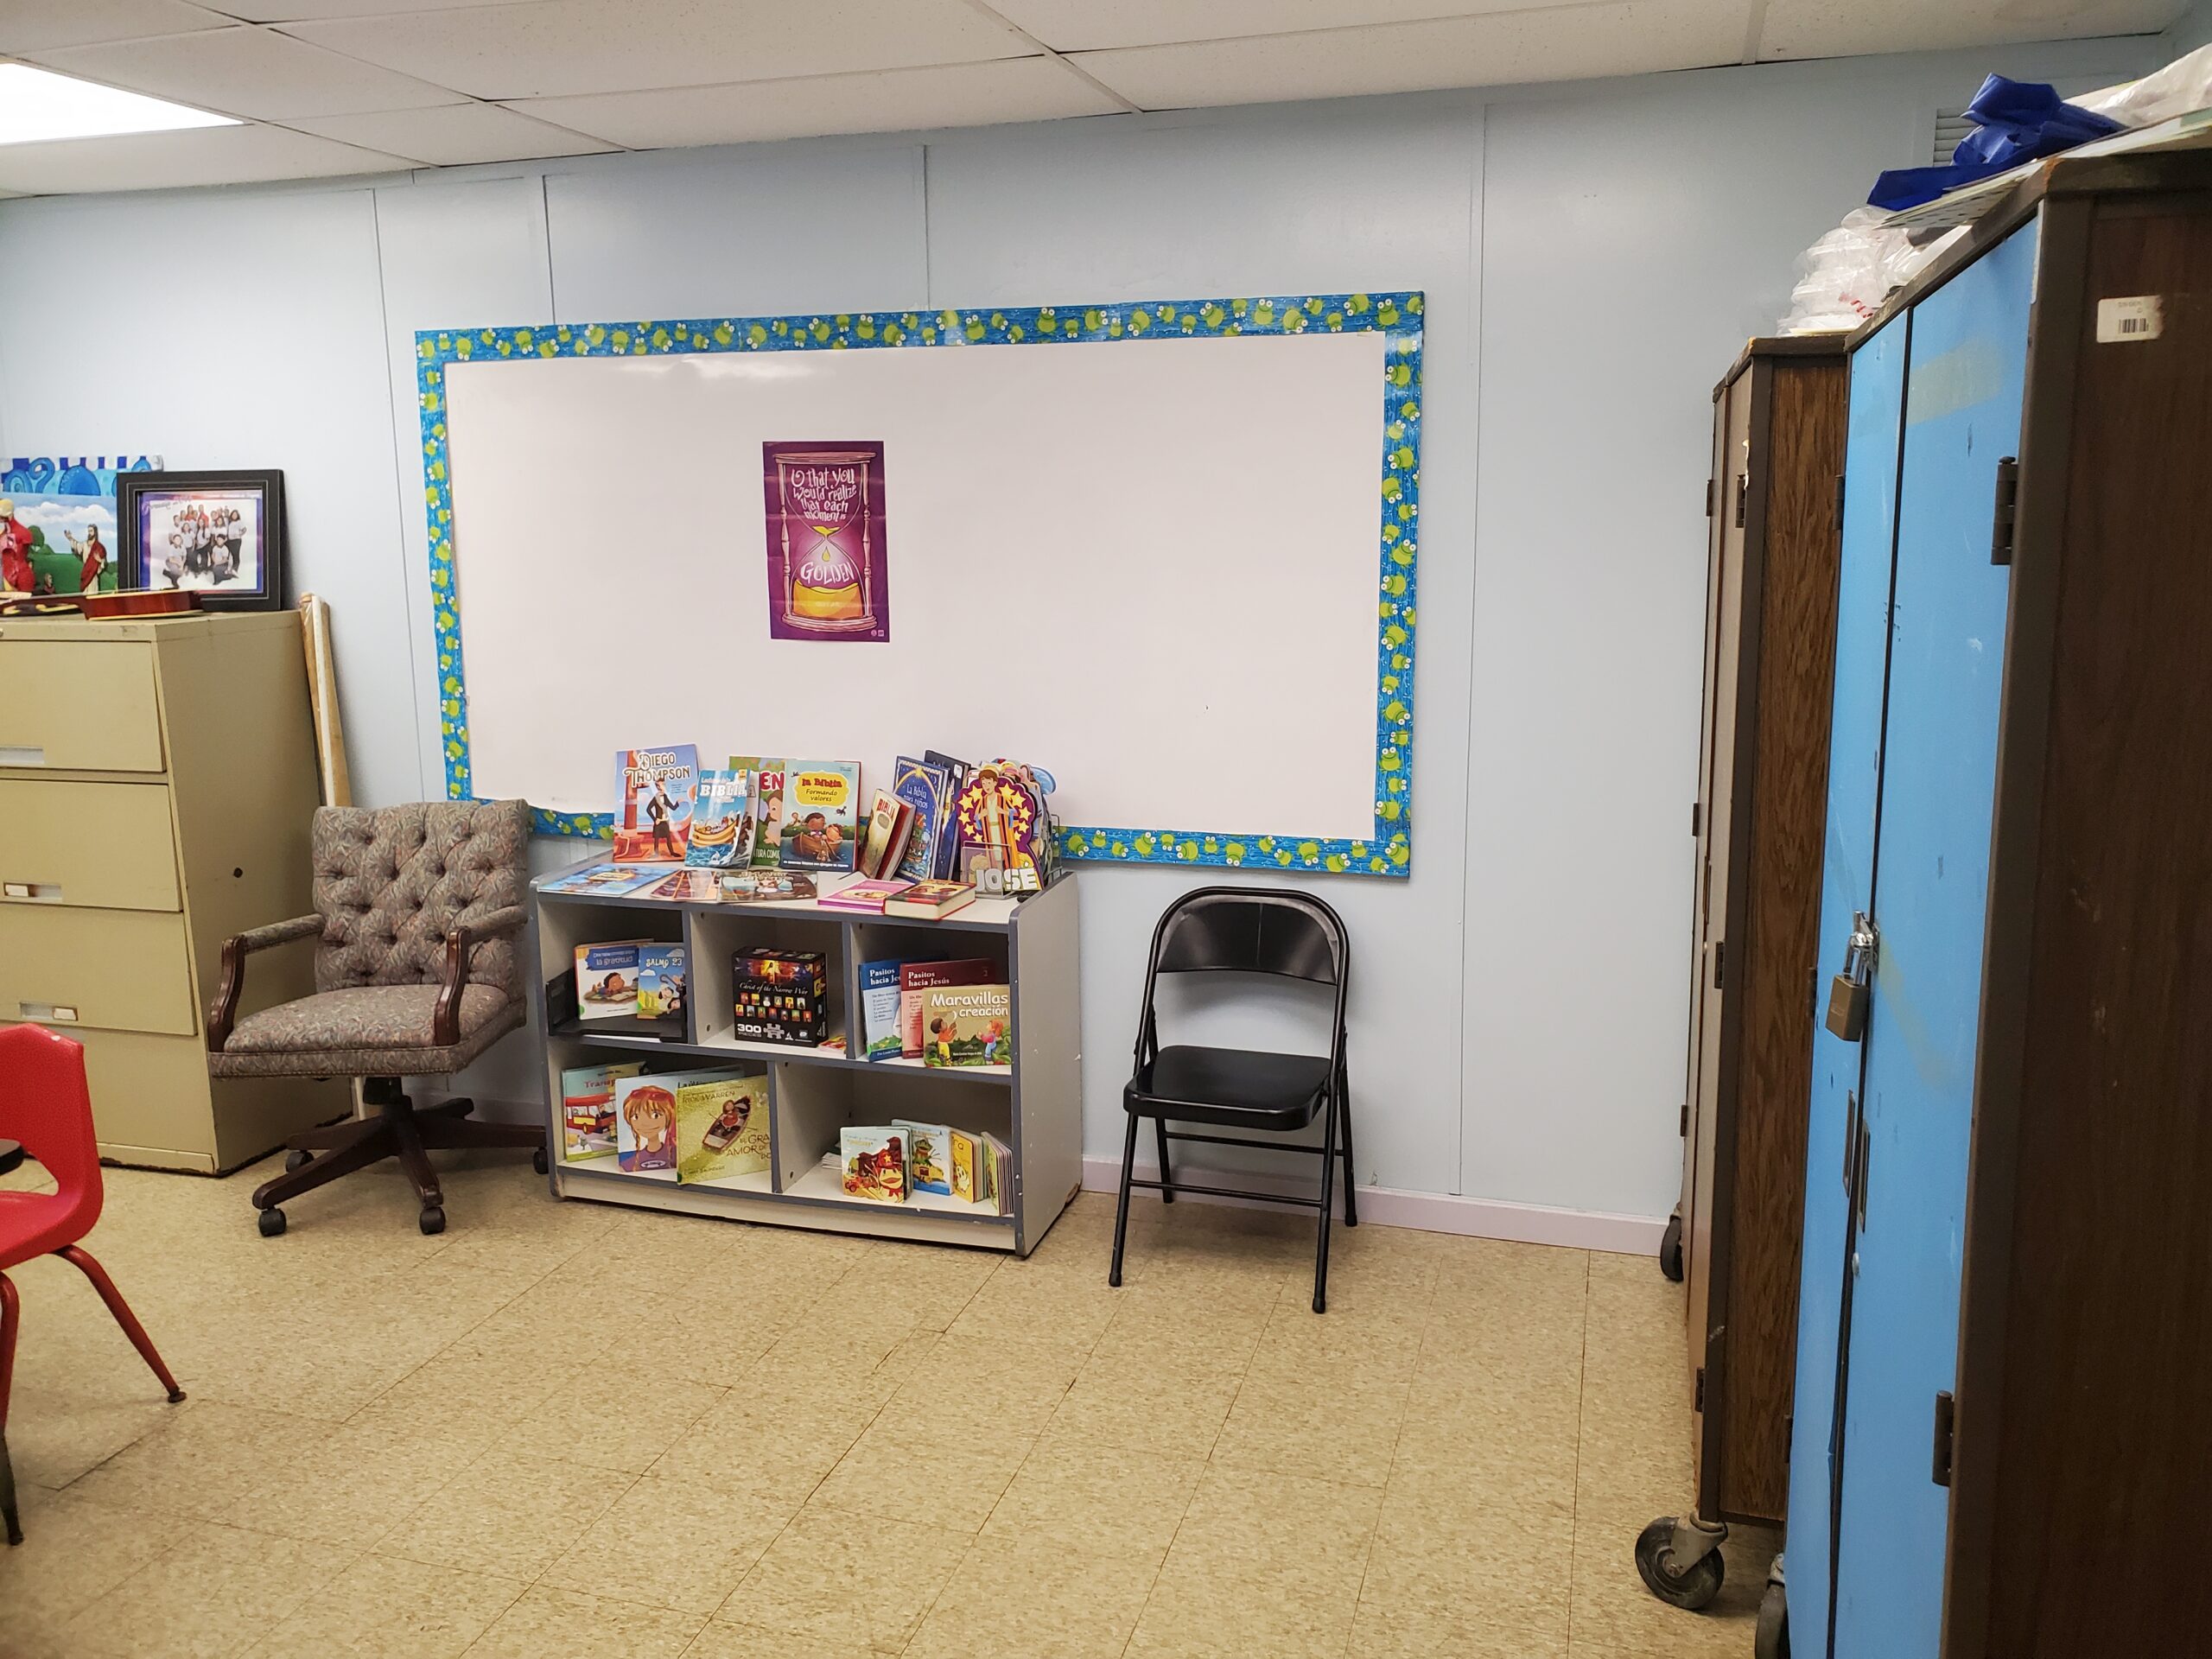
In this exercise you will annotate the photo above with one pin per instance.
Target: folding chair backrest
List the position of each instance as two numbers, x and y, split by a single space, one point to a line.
1254 931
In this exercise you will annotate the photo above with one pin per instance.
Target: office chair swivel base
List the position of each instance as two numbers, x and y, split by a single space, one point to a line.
398 1130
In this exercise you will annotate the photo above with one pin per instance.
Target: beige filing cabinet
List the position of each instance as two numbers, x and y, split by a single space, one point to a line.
157 781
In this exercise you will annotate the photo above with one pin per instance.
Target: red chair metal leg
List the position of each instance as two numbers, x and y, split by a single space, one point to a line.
12 1313
93 1270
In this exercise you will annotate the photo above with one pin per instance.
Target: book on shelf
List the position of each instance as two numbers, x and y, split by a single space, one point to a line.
687 887
660 981
759 886
927 788
767 807
995 1160
955 779
653 800
645 1123
863 896
606 979
780 996
587 1108
929 901
915 978
883 842
880 1037
821 814
873 1164
721 819
967 1024
721 1127
964 1149
604 880
929 1156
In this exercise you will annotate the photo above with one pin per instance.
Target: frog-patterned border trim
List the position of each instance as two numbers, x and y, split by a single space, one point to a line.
1396 316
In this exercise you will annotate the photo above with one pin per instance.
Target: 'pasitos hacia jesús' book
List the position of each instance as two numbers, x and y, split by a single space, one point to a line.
653 792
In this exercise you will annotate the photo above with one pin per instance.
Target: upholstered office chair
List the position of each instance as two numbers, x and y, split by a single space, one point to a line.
416 975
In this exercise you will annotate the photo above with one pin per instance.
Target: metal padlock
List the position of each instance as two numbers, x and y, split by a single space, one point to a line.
1850 993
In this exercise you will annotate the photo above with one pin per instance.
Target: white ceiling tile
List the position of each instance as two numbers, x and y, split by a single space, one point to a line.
163 161
1824 29
36 25
248 71
1624 38
454 135
897 100
1086 25
558 47
289 11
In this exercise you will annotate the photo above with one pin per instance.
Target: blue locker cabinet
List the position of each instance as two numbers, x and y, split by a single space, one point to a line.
2001 1446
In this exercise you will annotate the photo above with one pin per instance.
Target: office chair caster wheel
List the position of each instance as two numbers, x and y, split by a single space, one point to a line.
433 1219
297 1160
1692 1587
538 1161
1671 1248
271 1222
1771 1640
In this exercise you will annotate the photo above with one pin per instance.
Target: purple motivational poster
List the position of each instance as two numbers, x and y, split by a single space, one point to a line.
828 568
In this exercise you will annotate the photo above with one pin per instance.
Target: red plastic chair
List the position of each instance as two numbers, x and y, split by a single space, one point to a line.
44 1105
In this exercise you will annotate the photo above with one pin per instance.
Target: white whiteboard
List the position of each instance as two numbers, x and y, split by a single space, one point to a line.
1149 566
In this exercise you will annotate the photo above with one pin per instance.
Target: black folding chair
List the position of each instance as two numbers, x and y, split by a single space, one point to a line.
1250 931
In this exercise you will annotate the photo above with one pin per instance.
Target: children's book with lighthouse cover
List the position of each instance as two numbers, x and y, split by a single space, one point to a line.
653 794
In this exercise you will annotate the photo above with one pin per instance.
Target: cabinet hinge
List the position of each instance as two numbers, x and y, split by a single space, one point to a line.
2005 510
1685 1130
1838 500
1946 1416
1698 1403
1743 489
1697 818
1720 964
1708 497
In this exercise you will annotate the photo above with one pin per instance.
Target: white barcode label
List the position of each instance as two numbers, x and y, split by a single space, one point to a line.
2137 316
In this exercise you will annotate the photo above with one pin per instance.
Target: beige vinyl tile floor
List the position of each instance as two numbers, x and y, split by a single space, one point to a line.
574 1429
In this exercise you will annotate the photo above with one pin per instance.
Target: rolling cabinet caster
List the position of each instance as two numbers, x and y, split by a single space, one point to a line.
297 1160
1671 1248
1679 1560
271 1222
539 1162
1771 1640
433 1219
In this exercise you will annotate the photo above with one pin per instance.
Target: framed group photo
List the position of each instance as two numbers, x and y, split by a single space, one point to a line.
220 534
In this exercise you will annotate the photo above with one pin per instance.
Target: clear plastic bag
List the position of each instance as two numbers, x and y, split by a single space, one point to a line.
2183 85
1843 278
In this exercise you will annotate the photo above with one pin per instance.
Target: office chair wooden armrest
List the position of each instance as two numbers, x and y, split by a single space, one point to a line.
223 1013
445 1019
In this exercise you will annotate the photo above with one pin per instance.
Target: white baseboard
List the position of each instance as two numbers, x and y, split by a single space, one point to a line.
1431 1212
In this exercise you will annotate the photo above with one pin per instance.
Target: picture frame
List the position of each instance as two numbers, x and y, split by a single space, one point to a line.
218 534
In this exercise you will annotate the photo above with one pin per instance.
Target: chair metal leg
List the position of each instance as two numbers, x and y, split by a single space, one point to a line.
9 1520
1167 1181
1321 1249
83 1262
11 1314
1122 1205
1351 1179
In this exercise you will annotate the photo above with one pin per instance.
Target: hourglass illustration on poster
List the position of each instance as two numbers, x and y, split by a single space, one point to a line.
827 563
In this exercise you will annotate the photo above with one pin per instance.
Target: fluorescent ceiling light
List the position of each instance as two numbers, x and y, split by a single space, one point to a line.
37 104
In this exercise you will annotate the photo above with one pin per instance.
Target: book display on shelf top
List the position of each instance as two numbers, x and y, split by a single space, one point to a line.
1019 1116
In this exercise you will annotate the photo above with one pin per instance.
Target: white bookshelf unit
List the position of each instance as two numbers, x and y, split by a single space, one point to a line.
1035 1105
